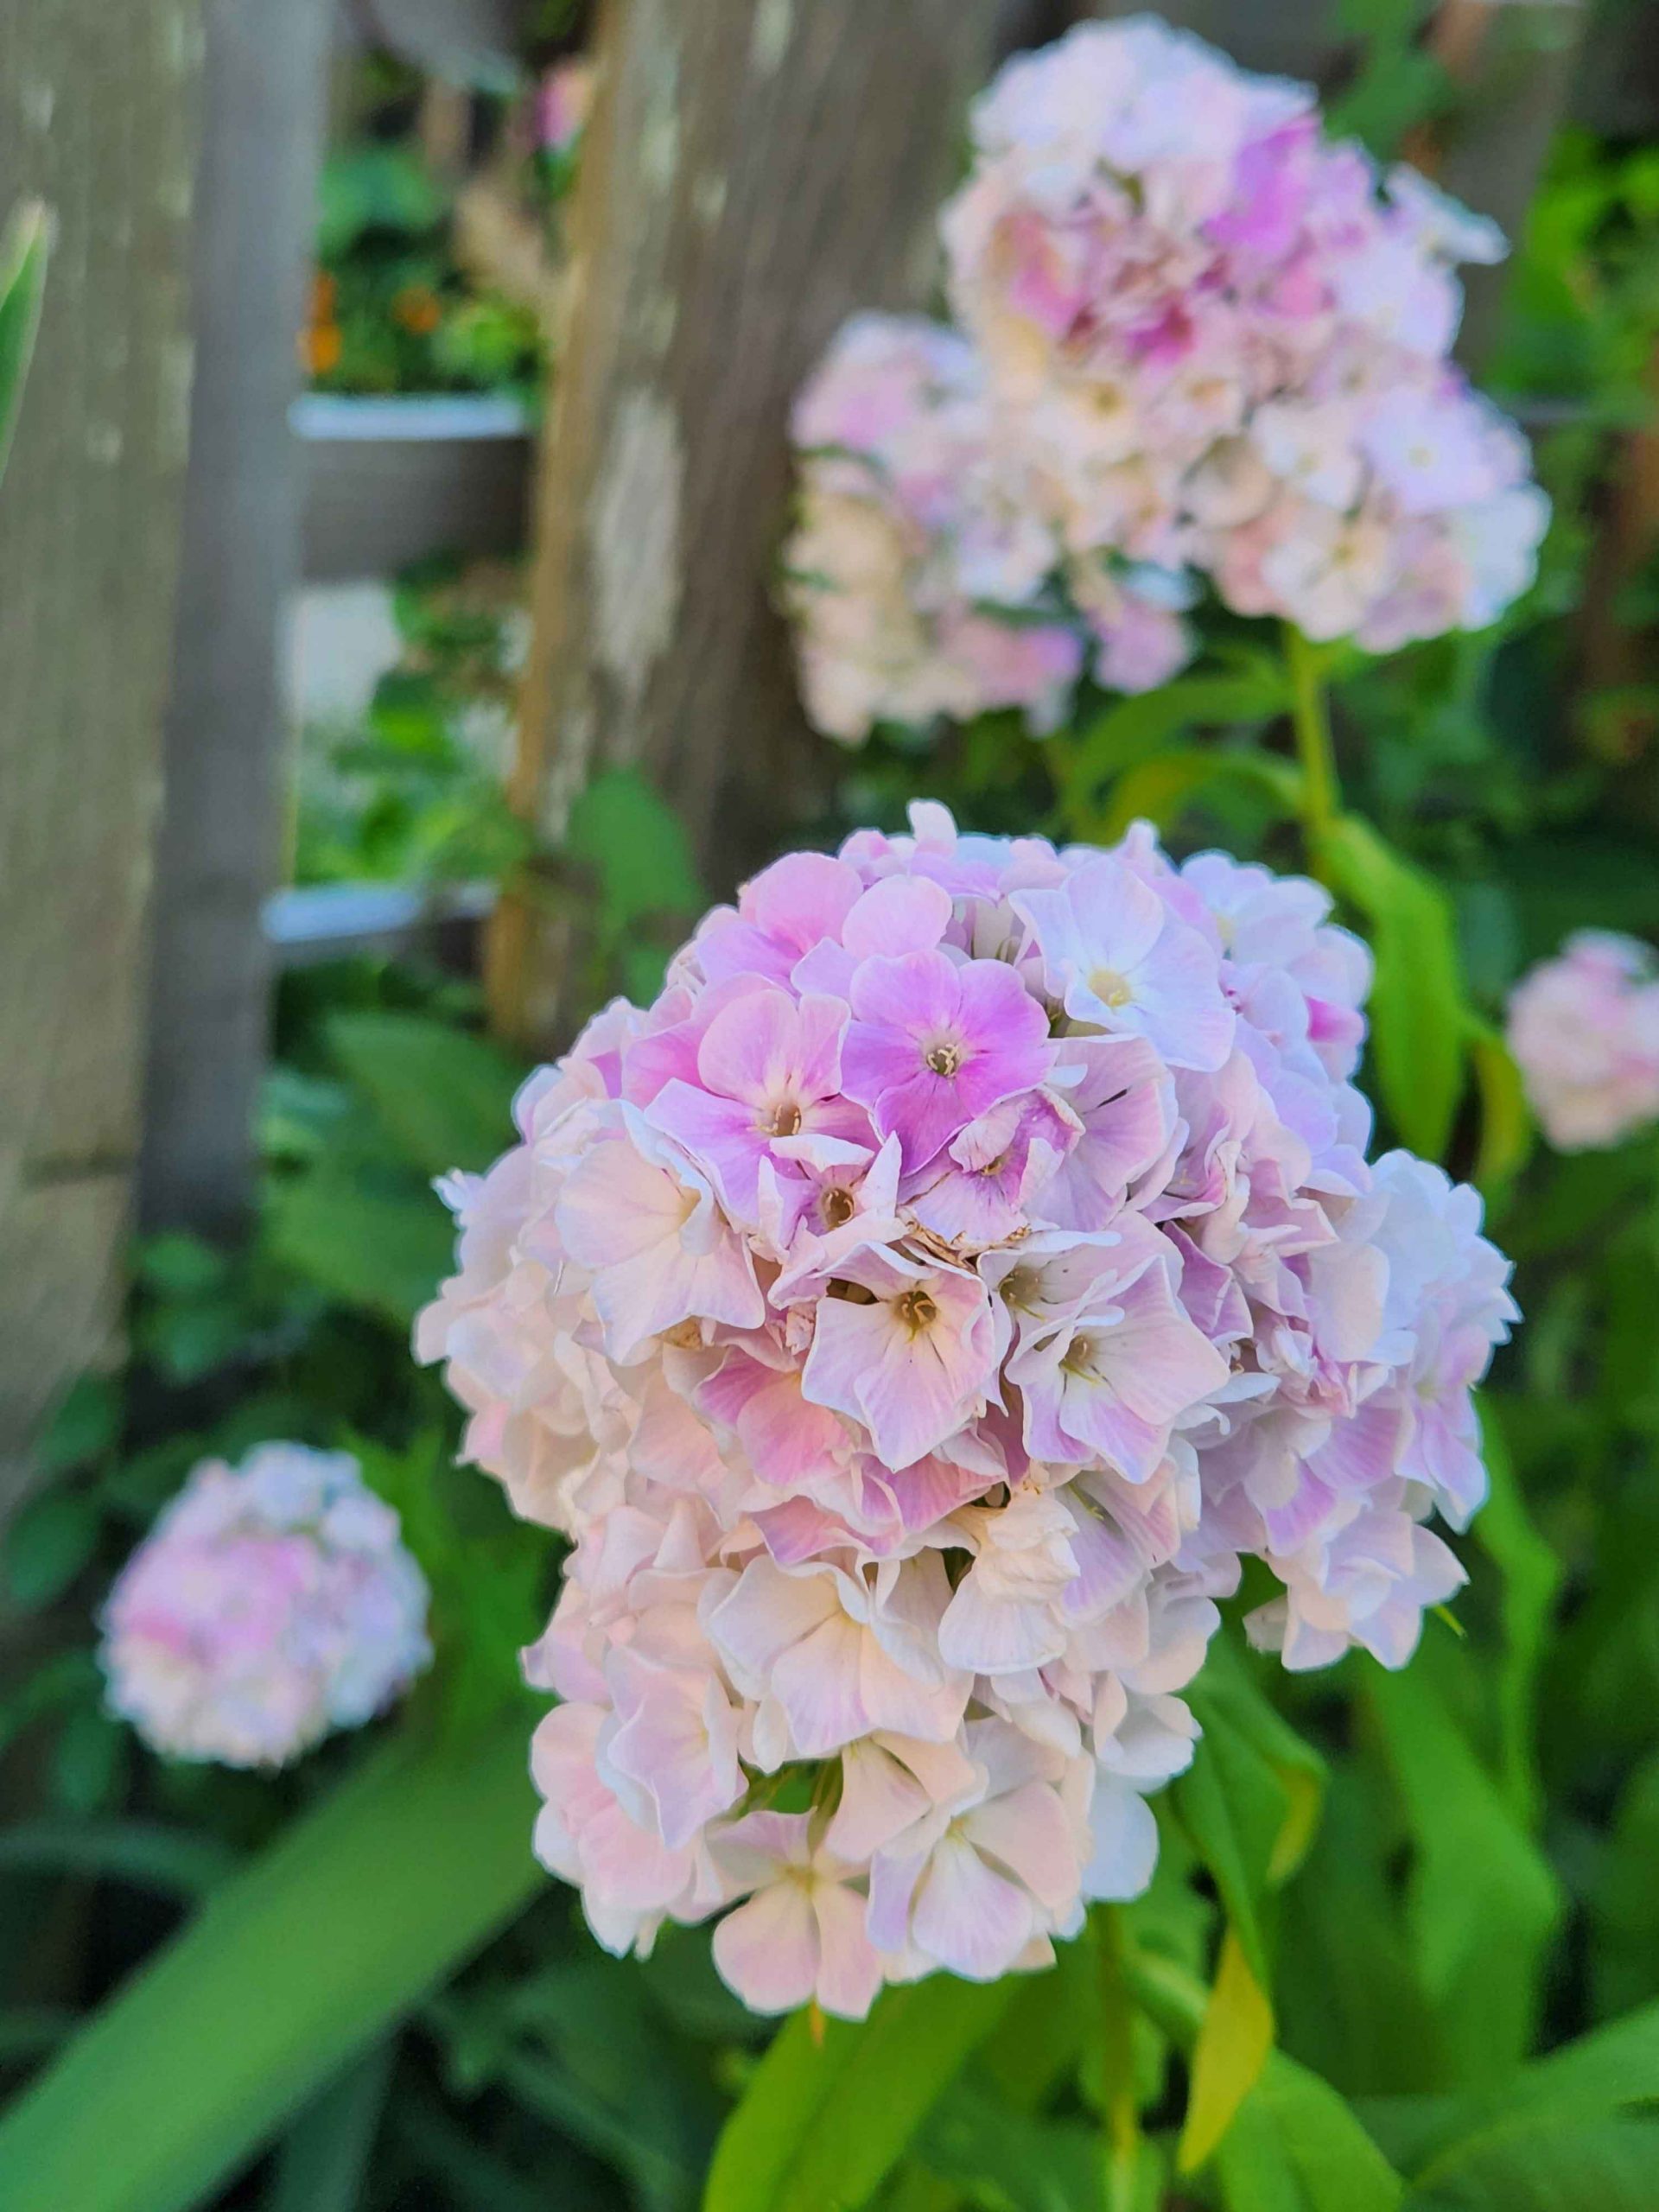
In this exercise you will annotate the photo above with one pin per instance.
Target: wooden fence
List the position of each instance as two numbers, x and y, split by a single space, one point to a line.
756 168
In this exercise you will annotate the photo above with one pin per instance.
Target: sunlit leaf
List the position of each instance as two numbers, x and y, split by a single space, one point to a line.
1231 2052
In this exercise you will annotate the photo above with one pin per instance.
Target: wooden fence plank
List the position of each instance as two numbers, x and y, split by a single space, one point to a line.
1514 66
98 117
222 824
753 171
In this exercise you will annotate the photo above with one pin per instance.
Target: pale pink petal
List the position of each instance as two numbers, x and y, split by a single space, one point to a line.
768 1950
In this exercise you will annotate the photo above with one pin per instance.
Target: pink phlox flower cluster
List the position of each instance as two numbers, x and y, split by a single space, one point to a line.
921 572
912 1318
1584 1028
1198 342
271 1603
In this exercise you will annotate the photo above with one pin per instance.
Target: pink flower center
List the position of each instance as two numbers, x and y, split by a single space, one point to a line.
917 1310
836 1206
944 1058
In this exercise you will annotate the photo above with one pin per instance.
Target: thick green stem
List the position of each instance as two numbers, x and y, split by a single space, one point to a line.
1311 720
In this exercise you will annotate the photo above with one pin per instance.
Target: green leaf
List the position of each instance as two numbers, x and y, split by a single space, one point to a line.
288 1971
85 1426
443 1097
832 2107
636 847
177 1265
176 1862
88 1760
1532 1576
1133 730
1250 1802
1483 1903
324 2160
1625 1902
586 2035
1298 2145
68 1678
1161 790
380 1244
1039 2037
47 1545
1605 2165
1577 2095
1004 2160
1321 2143
1419 1026
371 186
1506 1131
23 253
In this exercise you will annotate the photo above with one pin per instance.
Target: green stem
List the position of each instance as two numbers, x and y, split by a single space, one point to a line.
1311 720
1123 2144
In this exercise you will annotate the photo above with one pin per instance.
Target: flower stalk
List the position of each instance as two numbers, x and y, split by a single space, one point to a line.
1310 717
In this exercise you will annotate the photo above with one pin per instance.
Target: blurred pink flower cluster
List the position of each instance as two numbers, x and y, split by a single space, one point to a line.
1584 1028
911 1317
1201 344
564 99
271 1603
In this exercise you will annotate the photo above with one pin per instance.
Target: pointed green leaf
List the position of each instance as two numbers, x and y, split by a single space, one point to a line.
1232 2048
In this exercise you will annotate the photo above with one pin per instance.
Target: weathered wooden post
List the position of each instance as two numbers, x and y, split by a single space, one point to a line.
1513 66
262 146
98 112
755 170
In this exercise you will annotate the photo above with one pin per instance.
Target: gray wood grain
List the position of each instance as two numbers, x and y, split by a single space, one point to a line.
223 810
754 171
98 117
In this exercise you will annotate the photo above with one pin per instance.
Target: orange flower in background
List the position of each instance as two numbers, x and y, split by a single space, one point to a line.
419 308
320 341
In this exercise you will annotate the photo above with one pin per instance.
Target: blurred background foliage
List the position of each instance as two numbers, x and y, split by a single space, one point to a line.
1442 1883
